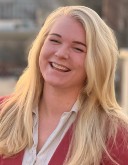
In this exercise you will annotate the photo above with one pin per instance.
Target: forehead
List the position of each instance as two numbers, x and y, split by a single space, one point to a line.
69 27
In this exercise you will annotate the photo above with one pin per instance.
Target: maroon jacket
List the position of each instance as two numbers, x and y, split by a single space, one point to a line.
118 151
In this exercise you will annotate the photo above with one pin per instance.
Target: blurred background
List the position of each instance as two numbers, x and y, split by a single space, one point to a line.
20 21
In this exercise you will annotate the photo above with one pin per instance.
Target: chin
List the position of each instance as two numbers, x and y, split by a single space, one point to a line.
56 84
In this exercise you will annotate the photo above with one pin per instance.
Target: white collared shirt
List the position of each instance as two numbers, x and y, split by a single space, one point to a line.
31 157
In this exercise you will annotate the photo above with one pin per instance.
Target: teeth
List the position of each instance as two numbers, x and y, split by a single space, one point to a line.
60 67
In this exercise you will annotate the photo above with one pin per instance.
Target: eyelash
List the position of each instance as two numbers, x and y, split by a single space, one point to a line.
78 49
75 48
55 41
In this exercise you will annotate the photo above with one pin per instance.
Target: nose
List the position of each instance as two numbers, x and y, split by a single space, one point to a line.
62 52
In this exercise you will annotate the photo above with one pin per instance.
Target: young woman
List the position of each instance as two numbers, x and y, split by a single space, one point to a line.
63 109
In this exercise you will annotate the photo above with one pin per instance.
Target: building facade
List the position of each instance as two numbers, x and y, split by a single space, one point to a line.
116 15
25 9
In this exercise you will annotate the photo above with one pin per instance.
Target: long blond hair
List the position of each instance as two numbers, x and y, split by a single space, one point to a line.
98 105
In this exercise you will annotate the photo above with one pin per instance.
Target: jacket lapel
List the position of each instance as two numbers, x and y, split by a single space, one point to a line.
62 150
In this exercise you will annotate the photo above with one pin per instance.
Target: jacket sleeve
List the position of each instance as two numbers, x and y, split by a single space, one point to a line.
14 160
118 149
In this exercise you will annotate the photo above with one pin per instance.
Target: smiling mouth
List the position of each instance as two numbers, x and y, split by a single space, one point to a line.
59 67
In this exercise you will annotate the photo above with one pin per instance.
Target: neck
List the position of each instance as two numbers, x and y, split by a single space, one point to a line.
55 101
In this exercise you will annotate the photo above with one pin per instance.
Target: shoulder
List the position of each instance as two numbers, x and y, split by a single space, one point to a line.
13 160
117 148
3 98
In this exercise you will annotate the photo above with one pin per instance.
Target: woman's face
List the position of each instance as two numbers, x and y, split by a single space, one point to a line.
63 53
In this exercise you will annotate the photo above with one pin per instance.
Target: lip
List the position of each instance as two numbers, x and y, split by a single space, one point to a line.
59 67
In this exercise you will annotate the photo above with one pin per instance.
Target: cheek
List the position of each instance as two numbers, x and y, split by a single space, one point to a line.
81 67
42 58
46 51
43 55
81 63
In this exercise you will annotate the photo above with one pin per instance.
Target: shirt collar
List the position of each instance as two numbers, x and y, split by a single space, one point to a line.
75 107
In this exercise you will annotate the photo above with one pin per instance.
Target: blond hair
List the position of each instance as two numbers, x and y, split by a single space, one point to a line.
98 105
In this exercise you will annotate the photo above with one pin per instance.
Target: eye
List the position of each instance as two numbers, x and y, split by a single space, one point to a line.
55 41
78 49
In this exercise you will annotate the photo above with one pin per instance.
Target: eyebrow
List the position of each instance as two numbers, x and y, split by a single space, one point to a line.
76 42
55 34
